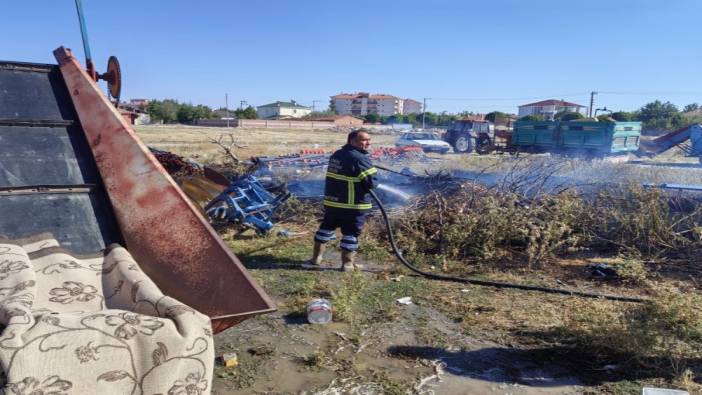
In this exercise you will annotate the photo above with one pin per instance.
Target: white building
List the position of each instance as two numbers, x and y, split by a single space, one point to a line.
549 108
282 109
362 103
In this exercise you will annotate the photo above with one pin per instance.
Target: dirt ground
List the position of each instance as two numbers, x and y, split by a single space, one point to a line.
452 338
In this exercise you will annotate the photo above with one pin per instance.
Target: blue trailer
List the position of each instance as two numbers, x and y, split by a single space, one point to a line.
589 138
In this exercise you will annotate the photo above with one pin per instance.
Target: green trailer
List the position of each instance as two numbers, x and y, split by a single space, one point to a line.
589 138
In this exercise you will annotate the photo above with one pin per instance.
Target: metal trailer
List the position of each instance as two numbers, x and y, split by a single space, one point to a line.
70 165
678 138
587 138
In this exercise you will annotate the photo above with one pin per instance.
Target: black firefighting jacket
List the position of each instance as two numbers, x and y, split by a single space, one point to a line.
349 177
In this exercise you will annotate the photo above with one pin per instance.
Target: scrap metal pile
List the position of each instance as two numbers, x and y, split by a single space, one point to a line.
243 202
247 204
175 164
318 158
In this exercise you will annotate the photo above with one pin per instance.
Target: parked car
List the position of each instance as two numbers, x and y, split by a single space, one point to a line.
429 142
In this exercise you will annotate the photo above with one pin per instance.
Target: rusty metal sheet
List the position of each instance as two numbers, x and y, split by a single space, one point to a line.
162 229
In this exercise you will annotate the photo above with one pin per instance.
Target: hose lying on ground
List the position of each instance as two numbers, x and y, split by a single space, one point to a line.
496 284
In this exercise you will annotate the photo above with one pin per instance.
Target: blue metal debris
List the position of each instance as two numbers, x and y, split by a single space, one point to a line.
246 203
679 187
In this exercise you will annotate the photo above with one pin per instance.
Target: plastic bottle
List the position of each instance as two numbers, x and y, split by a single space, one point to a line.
319 311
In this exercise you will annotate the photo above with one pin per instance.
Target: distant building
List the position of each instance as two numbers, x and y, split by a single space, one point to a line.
133 114
139 102
283 110
549 108
363 103
411 107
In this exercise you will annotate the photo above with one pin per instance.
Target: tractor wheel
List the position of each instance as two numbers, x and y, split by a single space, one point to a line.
483 146
464 144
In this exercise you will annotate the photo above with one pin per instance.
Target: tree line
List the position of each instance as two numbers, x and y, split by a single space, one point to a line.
172 111
655 115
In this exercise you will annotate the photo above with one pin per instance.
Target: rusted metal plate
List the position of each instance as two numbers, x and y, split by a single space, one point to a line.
163 230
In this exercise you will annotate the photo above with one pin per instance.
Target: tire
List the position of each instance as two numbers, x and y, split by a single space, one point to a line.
464 144
483 146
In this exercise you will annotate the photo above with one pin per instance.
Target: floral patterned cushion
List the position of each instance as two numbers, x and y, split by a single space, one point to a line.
96 324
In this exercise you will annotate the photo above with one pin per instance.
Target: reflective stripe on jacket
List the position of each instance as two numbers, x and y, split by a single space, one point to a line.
349 177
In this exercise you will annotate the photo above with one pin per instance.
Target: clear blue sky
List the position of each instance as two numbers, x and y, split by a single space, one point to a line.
465 55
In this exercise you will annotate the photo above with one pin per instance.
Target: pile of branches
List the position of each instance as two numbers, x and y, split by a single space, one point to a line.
475 223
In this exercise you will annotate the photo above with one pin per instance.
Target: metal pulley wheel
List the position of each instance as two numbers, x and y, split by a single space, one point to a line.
113 76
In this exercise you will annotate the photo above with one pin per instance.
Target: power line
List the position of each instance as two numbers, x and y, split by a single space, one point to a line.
651 93
584 94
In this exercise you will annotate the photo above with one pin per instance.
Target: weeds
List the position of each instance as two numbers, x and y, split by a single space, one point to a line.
314 361
662 336
345 298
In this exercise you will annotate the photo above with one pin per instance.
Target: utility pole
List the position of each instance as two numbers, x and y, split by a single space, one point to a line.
226 107
241 104
592 101
315 102
424 110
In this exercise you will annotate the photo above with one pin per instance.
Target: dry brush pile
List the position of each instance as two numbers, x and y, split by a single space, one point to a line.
479 224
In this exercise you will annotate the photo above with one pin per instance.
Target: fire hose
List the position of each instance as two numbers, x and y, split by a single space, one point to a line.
496 284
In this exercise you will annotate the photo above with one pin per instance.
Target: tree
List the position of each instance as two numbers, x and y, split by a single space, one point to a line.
623 116
372 118
247 113
203 112
494 116
534 117
397 118
165 111
691 107
186 113
657 115
568 116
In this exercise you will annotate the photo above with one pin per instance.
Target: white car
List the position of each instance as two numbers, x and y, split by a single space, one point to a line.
428 141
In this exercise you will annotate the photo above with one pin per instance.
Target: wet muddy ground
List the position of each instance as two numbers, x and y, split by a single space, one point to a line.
421 352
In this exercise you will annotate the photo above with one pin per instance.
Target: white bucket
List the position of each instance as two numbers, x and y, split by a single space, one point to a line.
319 311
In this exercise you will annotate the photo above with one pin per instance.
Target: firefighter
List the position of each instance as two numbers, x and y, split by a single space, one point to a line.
350 176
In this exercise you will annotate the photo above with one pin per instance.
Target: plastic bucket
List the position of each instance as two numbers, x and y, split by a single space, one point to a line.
319 311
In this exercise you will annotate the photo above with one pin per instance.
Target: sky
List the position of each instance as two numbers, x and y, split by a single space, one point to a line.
465 55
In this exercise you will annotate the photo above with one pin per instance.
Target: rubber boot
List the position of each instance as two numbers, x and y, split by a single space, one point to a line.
317 254
347 258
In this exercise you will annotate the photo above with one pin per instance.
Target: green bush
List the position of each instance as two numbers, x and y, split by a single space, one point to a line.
568 116
533 118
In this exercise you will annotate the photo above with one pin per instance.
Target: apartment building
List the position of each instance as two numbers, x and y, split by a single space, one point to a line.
363 103
411 107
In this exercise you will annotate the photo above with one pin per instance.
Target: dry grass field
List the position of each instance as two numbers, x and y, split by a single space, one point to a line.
193 141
